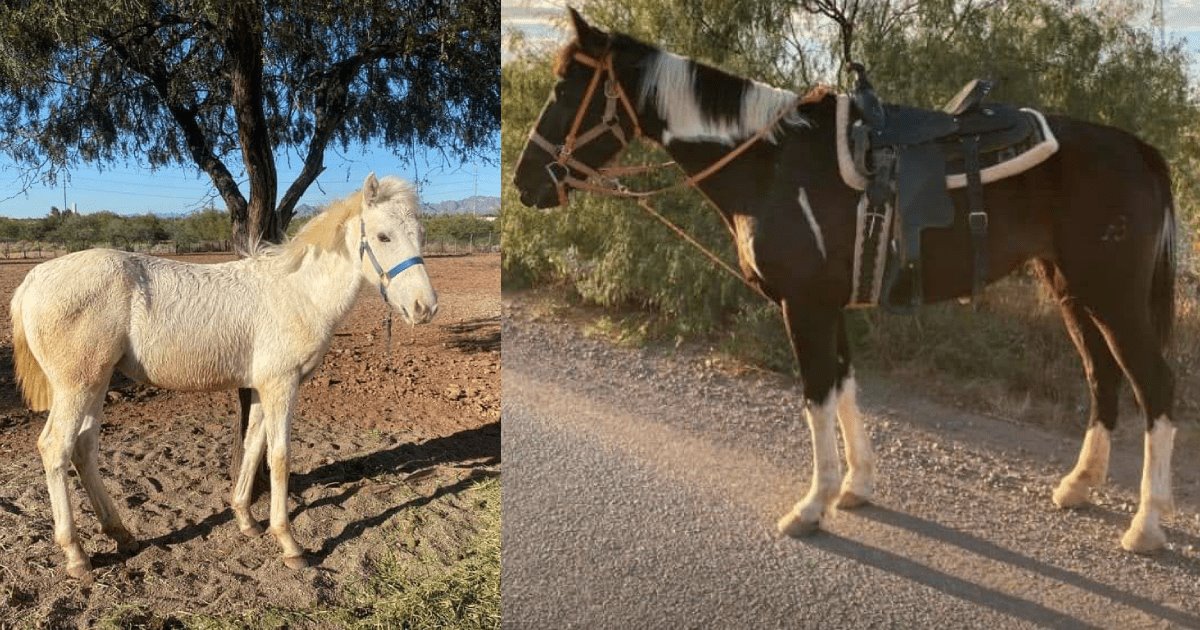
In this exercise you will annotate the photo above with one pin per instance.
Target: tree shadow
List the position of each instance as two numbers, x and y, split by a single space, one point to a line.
475 335
480 443
356 528
991 598
473 448
912 571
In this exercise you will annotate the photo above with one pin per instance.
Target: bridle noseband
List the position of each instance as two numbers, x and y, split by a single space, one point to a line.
385 277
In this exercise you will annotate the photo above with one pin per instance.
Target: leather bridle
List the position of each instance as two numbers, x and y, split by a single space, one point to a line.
564 155
603 179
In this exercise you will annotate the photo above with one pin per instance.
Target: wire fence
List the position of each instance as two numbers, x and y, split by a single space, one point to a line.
35 250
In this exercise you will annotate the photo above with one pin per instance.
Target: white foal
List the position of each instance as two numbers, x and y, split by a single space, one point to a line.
263 322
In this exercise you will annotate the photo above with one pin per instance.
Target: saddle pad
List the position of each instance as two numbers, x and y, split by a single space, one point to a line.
1016 165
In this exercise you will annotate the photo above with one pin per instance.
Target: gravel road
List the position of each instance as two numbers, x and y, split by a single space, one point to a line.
642 488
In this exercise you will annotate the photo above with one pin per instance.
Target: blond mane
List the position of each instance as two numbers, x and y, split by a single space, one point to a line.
327 231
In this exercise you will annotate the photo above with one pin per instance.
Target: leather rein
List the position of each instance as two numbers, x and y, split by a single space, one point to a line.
604 180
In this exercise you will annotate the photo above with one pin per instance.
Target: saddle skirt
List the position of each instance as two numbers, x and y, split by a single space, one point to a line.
883 240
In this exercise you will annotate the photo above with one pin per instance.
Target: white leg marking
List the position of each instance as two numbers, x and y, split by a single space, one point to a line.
812 222
859 485
805 517
1090 471
1145 533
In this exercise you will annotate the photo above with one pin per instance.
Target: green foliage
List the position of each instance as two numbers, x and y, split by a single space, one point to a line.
205 228
210 84
461 228
1048 53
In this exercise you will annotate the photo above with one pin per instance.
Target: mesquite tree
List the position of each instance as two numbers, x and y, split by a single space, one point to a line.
224 85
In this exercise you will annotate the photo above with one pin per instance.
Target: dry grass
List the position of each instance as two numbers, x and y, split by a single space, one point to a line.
1012 358
462 592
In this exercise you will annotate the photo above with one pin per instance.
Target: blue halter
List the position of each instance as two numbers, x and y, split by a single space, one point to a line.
384 276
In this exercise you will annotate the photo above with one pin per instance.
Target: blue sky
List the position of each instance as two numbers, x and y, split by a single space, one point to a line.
134 189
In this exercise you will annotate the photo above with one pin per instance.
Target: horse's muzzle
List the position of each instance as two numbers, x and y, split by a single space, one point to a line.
542 197
419 313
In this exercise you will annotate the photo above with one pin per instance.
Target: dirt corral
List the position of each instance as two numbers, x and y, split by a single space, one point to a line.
390 468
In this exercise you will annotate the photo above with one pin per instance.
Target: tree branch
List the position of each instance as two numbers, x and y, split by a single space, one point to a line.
330 112
193 133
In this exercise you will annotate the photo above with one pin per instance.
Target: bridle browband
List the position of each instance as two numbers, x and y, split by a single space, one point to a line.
564 155
385 277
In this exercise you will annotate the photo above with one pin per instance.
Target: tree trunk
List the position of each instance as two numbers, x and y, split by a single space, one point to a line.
245 49
256 220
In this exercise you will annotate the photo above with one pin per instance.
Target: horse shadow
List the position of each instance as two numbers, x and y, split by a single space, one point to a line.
994 599
475 450
475 335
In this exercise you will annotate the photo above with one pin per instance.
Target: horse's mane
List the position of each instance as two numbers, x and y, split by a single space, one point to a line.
564 57
326 232
706 102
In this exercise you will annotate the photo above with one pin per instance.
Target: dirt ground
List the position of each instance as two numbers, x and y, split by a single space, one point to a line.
699 460
385 451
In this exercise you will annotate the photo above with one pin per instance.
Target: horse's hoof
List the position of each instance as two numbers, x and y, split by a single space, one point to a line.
1142 539
254 531
81 571
797 526
849 500
1070 495
295 562
128 547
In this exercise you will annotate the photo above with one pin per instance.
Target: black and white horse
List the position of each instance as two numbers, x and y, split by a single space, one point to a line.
794 220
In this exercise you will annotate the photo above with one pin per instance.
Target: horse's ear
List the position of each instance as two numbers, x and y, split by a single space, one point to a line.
370 189
591 40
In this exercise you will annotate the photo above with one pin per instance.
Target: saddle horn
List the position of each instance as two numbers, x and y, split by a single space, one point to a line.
865 99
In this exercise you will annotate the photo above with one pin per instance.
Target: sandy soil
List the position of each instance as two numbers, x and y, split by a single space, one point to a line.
379 443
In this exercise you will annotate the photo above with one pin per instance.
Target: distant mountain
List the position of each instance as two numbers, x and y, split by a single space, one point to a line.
307 210
477 204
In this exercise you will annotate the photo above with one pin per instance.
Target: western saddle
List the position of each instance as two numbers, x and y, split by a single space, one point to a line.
906 153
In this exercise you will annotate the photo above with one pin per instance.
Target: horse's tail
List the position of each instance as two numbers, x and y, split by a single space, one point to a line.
35 387
1162 284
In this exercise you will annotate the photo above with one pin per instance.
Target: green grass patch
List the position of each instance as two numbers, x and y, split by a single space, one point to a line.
441 570
404 594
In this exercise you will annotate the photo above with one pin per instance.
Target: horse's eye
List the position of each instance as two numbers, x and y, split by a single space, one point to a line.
383 238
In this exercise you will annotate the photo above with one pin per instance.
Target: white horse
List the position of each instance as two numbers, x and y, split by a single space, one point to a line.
262 322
